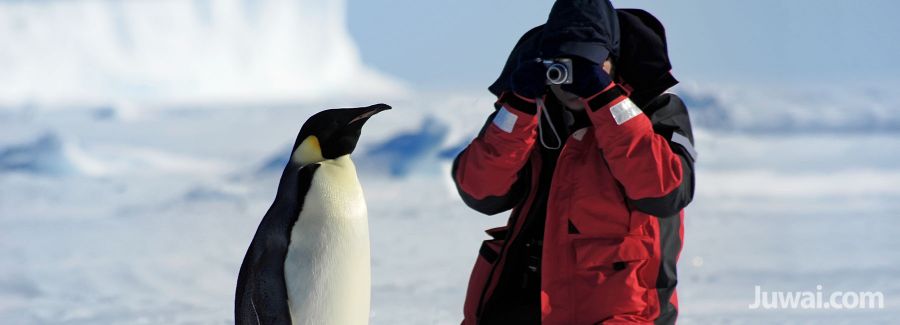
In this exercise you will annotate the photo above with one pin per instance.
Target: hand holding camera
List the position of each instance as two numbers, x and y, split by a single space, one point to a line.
528 80
576 75
589 78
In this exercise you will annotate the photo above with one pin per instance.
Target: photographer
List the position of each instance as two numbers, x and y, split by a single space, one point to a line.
596 163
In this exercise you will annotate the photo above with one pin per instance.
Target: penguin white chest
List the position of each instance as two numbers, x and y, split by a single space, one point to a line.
327 268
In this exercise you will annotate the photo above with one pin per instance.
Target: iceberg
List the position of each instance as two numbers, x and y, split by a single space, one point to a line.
183 52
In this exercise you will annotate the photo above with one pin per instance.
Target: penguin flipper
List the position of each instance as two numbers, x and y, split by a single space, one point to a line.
244 311
262 296
270 300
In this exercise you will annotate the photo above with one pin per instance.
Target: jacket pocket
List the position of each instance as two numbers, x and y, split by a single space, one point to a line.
611 276
599 253
488 255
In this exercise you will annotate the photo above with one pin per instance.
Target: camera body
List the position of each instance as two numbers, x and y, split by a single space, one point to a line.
559 71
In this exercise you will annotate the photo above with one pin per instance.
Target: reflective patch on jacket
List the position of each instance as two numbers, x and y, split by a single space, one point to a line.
505 120
624 111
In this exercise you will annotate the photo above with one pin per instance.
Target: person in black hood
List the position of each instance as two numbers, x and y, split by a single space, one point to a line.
597 173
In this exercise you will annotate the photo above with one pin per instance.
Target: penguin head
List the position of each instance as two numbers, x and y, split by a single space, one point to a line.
332 133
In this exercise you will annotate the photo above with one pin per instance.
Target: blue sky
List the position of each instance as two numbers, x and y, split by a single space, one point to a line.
462 44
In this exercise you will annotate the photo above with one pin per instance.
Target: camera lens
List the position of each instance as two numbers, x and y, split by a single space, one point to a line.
557 74
553 74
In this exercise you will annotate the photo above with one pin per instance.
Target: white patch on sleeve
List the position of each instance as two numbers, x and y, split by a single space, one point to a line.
505 120
578 135
686 143
624 111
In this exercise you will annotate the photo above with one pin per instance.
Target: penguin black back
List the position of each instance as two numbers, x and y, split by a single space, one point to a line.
261 296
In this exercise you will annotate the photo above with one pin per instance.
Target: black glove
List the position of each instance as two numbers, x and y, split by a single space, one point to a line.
528 79
588 78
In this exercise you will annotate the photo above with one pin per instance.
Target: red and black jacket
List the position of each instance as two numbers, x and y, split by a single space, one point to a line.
611 221
606 210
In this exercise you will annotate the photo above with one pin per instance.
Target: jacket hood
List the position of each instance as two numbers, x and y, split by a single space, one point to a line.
585 28
642 63
527 48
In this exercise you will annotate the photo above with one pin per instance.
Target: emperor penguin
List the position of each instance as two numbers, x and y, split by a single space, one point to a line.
309 260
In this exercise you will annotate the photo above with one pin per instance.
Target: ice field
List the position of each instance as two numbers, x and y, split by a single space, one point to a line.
139 150
111 217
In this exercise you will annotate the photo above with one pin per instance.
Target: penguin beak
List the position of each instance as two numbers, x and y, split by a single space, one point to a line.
366 112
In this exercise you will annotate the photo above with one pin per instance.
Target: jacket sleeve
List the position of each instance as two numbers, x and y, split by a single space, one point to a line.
491 173
653 160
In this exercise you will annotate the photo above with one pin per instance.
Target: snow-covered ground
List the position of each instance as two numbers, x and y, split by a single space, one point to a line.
141 141
110 217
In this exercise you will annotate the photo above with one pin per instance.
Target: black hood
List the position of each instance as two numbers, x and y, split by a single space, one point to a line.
585 28
528 48
642 63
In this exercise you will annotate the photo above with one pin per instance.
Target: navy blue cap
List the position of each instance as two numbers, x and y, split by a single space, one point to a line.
584 28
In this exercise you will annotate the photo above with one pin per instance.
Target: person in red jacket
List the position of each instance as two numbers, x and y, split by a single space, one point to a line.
597 174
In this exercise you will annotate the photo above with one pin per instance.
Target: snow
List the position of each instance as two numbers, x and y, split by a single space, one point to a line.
812 109
96 51
156 231
143 140
409 151
48 155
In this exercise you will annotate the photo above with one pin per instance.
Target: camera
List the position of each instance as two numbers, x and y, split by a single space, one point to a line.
559 71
